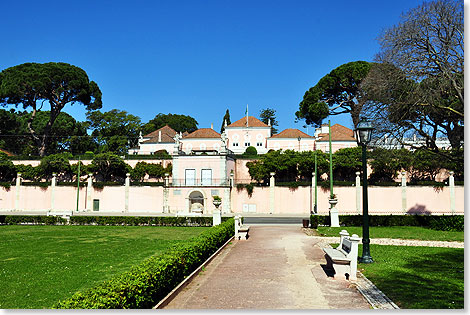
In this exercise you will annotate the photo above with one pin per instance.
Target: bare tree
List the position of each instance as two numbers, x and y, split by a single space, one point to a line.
417 86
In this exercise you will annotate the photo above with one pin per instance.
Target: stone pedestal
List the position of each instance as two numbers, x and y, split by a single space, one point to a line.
216 218
334 216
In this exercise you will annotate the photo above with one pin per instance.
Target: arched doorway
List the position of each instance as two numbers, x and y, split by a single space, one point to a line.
196 202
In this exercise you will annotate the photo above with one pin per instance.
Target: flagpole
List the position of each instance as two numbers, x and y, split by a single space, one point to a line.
247 115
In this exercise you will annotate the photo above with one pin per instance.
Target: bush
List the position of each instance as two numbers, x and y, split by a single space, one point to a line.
31 219
251 151
109 167
56 163
146 284
128 220
7 168
442 223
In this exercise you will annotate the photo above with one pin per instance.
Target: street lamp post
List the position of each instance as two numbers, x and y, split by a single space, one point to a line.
363 136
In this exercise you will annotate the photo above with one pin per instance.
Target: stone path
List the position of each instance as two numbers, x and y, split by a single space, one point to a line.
278 267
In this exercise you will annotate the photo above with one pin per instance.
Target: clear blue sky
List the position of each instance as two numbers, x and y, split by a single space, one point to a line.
198 58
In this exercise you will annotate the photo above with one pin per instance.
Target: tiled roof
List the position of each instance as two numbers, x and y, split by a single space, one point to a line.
203 133
252 122
338 133
291 133
167 135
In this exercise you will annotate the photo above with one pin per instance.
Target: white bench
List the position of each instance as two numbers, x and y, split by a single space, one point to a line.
241 231
343 259
64 214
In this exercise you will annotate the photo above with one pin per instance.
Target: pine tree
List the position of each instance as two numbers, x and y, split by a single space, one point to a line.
225 119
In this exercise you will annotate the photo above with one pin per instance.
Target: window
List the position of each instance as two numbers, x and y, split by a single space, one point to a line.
247 144
235 144
190 177
259 144
206 177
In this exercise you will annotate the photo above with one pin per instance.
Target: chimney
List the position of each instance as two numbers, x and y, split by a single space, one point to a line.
269 122
212 126
159 136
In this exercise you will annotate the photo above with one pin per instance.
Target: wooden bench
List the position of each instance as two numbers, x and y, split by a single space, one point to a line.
343 259
241 231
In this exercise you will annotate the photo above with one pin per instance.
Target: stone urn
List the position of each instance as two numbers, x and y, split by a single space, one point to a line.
217 202
333 202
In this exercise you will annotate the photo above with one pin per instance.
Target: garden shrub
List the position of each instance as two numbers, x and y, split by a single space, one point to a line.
443 223
251 151
7 168
154 221
32 219
147 283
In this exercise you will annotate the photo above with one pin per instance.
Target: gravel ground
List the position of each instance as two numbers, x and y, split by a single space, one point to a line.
391 241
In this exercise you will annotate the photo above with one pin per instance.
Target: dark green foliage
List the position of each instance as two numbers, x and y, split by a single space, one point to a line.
30 84
56 163
226 119
346 162
109 167
146 284
336 93
152 170
268 116
11 128
443 223
7 168
180 123
249 188
114 131
153 221
29 172
288 165
447 223
251 151
32 219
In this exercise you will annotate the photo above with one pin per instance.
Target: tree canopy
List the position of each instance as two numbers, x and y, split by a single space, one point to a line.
180 123
416 88
268 116
58 84
226 119
336 93
114 131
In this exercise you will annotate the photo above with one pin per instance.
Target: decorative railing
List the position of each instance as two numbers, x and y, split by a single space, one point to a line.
200 182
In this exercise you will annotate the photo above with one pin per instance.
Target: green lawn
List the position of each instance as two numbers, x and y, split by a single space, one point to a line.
41 264
402 232
418 277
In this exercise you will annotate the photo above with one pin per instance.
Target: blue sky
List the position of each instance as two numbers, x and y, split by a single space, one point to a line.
198 58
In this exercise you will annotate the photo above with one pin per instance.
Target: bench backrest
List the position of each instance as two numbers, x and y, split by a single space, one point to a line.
347 244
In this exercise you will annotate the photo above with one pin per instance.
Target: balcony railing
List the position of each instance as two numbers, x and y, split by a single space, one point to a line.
200 182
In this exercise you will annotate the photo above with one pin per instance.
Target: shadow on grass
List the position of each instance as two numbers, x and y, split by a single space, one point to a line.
419 277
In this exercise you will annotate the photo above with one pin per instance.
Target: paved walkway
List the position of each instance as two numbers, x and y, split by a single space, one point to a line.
278 267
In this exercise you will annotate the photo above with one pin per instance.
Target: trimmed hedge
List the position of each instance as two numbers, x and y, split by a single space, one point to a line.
31 219
147 283
108 220
127 220
442 223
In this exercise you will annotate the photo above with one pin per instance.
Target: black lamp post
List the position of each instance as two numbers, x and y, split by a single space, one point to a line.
363 136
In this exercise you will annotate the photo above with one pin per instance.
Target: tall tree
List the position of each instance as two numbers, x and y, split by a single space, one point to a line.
268 116
115 131
225 120
58 84
417 87
11 138
336 93
179 123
